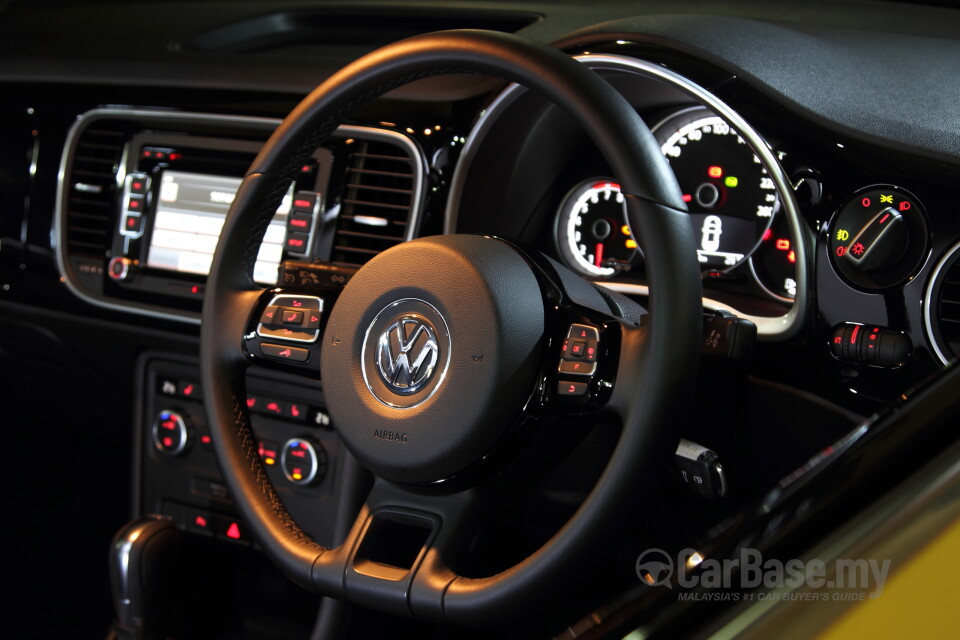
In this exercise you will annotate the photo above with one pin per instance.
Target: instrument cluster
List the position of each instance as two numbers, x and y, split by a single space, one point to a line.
731 199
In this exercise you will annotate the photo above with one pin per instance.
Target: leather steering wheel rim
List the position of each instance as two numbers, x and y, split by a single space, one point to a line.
651 398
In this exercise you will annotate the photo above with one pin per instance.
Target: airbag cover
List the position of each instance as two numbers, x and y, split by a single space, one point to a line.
430 353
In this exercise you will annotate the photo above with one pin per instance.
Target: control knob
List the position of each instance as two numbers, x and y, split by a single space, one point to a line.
879 238
171 435
120 268
304 461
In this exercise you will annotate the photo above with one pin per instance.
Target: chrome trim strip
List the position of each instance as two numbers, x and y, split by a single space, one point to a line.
779 328
929 305
488 117
418 192
756 278
718 468
371 221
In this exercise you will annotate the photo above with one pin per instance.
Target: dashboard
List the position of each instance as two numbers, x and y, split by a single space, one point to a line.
817 152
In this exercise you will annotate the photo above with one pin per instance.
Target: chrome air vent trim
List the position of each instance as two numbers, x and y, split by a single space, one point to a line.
379 203
932 297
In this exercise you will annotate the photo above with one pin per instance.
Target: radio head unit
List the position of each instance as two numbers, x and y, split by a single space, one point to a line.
175 199
143 195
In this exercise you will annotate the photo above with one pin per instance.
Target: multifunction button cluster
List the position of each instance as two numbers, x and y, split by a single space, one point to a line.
287 319
134 204
298 412
300 222
578 359
135 190
205 522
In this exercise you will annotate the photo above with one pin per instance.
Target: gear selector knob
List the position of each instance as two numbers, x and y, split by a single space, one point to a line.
141 557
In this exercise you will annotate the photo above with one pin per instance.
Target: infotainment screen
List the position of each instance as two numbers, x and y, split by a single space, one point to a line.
190 211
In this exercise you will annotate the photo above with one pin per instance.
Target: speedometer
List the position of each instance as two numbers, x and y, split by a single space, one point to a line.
731 198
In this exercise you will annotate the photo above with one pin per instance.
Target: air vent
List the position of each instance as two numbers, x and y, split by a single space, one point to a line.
943 306
90 186
379 200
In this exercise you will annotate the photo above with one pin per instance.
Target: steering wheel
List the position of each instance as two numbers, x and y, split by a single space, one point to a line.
443 358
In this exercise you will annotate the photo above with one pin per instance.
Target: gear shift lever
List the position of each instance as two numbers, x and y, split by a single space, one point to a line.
141 557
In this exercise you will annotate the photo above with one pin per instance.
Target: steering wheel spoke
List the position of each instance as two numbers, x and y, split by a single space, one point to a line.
397 554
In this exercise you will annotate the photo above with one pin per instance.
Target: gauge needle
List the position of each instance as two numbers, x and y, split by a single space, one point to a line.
598 255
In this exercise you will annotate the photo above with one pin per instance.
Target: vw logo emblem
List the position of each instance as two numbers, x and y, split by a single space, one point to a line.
407 354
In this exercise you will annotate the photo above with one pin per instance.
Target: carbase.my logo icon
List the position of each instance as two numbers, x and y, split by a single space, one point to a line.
655 567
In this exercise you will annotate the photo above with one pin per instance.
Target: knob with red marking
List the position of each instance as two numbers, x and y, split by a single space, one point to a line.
880 242
120 268
171 434
304 461
879 238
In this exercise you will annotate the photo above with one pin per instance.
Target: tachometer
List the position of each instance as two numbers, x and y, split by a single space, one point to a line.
592 232
731 198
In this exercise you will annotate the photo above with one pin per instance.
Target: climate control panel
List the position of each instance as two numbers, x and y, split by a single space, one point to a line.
178 470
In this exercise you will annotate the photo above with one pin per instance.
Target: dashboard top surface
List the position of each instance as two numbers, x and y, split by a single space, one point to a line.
871 69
